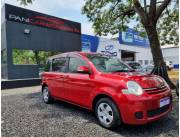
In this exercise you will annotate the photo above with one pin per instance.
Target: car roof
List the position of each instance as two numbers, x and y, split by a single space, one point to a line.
74 52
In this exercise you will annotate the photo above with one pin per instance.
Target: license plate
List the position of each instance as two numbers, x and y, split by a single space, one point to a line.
164 101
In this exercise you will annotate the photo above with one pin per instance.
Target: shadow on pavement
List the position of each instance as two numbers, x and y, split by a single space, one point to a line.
62 109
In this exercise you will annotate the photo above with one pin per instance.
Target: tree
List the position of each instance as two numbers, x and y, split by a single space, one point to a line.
112 16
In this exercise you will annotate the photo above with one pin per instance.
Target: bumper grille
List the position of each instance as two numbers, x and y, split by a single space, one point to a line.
155 90
158 111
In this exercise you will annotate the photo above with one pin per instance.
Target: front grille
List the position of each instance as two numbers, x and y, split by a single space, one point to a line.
158 111
155 90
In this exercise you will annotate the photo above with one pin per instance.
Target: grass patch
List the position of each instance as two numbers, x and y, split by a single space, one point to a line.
174 75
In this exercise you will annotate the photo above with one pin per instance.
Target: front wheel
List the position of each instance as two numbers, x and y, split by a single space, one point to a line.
46 95
107 113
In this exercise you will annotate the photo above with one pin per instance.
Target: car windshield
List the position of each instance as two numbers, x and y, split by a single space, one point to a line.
106 64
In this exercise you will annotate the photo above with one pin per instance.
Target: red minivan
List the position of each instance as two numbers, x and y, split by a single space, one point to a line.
107 86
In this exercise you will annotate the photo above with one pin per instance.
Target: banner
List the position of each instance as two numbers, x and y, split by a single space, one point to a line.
132 37
100 45
25 16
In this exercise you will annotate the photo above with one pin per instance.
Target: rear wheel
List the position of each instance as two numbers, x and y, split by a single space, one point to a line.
107 113
46 95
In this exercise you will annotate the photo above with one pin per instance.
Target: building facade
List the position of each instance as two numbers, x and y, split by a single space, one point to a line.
25 30
130 46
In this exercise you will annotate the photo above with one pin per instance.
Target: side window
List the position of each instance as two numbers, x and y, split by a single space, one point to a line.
74 63
59 65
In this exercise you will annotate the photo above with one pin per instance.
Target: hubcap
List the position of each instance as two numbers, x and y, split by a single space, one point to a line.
45 94
105 113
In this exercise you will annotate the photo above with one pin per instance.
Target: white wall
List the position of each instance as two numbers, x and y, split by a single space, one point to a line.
142 54
109 47
171 54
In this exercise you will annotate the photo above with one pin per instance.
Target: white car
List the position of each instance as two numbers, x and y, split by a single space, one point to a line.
169 65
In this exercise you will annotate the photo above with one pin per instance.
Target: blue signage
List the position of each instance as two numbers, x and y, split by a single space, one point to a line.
109 50
89 43
132 37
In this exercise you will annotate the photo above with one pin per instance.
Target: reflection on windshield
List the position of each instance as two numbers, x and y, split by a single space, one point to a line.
135 65
105 64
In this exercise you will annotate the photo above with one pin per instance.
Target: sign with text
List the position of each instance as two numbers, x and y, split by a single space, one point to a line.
132 37
25 16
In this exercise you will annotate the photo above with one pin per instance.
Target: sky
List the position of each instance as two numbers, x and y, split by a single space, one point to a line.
67 9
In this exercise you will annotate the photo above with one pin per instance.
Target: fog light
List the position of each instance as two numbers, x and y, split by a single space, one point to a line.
139 115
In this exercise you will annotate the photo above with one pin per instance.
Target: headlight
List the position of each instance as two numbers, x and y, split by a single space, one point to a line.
133 88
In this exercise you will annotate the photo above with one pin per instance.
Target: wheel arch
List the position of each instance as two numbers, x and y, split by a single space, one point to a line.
43 85
99 96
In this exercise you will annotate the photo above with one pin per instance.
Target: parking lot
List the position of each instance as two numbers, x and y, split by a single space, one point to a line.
25 114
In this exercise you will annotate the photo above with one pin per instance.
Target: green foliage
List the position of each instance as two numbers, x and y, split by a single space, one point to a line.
106 15
112 16
25 57
168 26
3 56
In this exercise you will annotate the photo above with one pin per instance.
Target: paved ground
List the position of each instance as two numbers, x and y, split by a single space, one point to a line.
25 115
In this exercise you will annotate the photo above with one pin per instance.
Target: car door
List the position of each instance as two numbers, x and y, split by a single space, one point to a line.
57 76
79 85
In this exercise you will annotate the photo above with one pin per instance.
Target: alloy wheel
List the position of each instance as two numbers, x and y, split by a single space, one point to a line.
45 95
105 113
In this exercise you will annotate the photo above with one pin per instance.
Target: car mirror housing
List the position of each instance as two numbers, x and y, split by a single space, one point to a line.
83 69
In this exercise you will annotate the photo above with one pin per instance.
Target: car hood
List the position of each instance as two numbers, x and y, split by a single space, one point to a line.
145 80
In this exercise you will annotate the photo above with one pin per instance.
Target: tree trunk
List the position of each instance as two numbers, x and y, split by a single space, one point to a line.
159 64
37 57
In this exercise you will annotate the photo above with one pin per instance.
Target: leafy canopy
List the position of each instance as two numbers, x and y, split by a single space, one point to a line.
112 16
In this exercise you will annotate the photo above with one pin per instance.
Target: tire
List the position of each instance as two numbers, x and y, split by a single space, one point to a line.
177 89
47 98
106 118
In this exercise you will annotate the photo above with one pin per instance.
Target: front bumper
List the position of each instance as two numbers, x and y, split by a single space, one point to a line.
143 109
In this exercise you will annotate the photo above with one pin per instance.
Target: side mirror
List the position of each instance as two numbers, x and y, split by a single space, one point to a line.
83 69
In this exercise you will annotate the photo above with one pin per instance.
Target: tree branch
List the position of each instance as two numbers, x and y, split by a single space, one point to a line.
152 9
112 9
145 6
128 13
139 9
115 6
161 8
